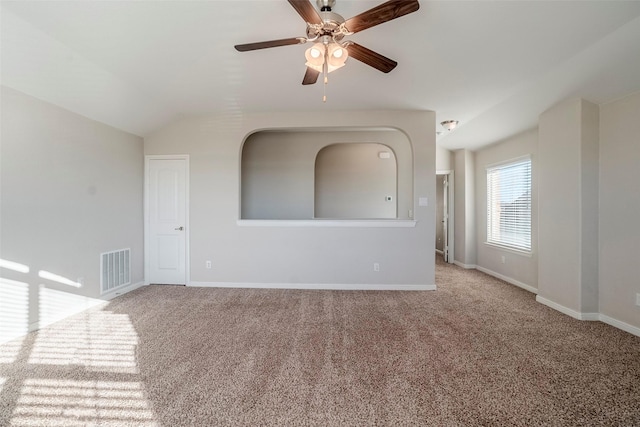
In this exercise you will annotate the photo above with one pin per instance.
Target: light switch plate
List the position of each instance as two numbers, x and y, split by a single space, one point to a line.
423 201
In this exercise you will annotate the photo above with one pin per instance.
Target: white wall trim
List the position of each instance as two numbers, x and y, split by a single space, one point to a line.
508 279
438 251
317 286
375 223
466 266
620 325
568 311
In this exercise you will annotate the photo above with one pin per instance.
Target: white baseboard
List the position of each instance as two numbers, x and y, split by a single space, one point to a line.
466 266
508 279
568 311
108 296
316 286
620 325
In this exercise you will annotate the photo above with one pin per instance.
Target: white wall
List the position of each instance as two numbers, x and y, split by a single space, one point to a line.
620 209
71 189
290 255
517 267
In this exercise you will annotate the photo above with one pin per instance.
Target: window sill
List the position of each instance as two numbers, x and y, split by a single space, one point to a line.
311 223
509 249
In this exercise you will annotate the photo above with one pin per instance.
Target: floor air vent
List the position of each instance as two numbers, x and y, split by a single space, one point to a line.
115 268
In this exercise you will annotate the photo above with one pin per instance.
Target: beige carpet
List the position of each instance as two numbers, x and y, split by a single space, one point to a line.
477 351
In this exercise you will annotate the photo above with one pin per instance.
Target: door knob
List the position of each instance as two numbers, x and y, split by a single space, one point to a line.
179 228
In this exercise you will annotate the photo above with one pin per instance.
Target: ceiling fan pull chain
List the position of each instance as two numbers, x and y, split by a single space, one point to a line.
325 73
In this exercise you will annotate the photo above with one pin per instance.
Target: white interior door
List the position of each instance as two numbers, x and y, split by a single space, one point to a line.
167 214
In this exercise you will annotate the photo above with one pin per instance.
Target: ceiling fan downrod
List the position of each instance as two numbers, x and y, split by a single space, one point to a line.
325 5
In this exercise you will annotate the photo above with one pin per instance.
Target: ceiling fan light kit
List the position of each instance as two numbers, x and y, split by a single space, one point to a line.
331 54
328 29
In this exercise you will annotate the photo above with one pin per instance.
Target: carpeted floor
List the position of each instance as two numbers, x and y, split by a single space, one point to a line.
477 351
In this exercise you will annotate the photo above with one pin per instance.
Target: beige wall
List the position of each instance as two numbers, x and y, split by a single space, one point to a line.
589 206
352 181
465 214
568 194
620 209
517 266
307 255
443 159
71 189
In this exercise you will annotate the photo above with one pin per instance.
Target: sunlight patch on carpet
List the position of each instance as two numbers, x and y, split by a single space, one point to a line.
54 402
104 342
10 350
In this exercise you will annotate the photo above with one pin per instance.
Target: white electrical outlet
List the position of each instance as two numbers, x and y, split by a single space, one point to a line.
638 300
208 264
504 259
376 266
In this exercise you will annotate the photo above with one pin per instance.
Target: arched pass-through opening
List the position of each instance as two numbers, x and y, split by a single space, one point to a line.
278 172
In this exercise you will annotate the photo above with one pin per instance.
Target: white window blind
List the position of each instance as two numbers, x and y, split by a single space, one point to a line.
509 205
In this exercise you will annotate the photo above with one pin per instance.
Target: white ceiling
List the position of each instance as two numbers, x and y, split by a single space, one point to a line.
493 65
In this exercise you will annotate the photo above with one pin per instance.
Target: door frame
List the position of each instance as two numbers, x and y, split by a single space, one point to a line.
450 213
187 262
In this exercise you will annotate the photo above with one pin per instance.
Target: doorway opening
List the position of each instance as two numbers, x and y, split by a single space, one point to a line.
444 215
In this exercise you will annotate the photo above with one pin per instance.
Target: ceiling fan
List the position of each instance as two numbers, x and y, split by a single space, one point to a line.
328 29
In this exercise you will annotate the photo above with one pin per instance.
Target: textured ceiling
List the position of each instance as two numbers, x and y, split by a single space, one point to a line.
493 65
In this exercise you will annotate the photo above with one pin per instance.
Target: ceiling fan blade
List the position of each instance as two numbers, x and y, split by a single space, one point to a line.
310 76
272 43
307 11
380 14
371 58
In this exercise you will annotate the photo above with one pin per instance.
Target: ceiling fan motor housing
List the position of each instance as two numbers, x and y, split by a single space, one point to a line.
331 26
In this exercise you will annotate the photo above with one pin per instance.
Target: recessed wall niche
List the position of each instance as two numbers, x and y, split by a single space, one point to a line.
278 174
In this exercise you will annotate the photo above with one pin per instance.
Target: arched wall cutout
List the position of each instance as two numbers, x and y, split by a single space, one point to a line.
278 170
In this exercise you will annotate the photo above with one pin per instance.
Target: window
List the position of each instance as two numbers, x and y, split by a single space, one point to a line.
509 205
